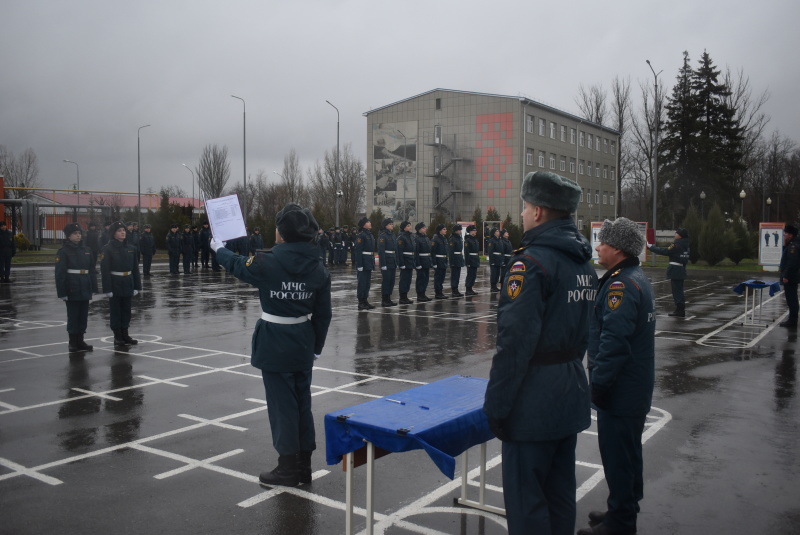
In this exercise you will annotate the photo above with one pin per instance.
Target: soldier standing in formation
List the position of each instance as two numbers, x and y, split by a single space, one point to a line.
353 237
338 247
121 282
132 238
678 253
347 241
472 258
439 255
790 273
387 255
406 249
256 241
196 241
508 249
187 249
76 281
8 248
365 262
92 241
422 261
494 251
455 250
173 248
147 246
205 249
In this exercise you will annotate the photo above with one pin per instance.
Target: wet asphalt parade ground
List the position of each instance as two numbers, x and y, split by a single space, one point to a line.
170 435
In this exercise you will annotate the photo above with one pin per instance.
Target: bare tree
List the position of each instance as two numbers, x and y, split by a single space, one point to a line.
352 184
249 193
214 170
592 103
20 172
639 183
621 114
292 179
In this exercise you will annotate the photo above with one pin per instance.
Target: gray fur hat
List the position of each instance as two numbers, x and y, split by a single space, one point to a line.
623 234
296 224
551 191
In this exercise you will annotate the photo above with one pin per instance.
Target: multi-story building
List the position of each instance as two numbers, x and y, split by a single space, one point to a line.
446 152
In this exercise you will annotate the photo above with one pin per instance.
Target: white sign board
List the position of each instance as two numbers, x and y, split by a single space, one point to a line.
225 218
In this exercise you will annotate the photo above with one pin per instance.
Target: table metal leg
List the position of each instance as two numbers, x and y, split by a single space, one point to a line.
481 503
348 459
370 487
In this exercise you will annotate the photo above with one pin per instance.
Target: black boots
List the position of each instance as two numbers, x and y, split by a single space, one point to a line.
439 295
286 474
82 345
73 342
789 323
304 467
128 339
680 311
422 298
404 300
470 291
364 305
119 338
495 288
456 293
386 301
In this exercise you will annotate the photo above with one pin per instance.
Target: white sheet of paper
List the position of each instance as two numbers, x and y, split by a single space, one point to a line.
225 218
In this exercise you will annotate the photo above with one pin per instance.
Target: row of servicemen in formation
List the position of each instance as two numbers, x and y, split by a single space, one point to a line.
418 253
192 245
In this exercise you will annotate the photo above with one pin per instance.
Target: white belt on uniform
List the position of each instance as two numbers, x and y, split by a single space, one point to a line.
441 256
366 252
497 253
405 252
456 252
283 320
78 271
121 273
474 254
675 264
390 252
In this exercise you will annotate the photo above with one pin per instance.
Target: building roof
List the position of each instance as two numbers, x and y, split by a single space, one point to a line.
129 201
524 100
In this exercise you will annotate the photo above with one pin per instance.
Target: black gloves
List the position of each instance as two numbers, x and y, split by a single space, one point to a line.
601 396
499 431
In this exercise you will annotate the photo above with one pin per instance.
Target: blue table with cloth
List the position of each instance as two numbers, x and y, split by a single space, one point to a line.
757 287
445 418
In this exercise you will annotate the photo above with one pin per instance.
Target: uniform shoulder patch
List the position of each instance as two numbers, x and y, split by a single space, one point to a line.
616 285
614 299
517 267
514 285
249 261
57 259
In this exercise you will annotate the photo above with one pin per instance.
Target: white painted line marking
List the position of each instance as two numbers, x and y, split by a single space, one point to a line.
213 422
190 463
30 472
96 394
264 496
161 381
8 406
6 390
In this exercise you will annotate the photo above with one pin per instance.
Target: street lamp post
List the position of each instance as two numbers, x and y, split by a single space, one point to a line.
77 186
244 156
702 202
577 165
139 174
742 195
193 207
769 208
337 161
656 102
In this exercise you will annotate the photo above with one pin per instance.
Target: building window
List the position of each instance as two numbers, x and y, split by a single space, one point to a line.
605 171
436 164
571 136
437 134
613 147
605 145
541 127
612 173
552 161
597 143
597 170
572 165
582 139
611 200
563 164
580 201
552 130
588 196
589 168
541 158
530 124
580 224
589 141
580 167
563 133
605 198
438 104
529 157
597 196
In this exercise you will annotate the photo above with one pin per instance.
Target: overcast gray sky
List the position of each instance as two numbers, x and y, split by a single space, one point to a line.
80 77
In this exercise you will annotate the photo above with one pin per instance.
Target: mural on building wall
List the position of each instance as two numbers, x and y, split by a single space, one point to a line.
395 169
495 147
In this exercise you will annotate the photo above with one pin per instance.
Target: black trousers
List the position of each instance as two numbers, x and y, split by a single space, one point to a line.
364 280
147 261
204 254
174 258
405 280
620 441
119 309
455 276
677 291
472 274
77 316
5 266
387 281
423 277
494 275
438 279
187 263
289 410
790 292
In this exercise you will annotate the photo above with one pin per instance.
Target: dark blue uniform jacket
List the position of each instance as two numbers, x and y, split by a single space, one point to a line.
678 253
120 257
423 259
537 384
439 251
75 286
406 250
291 282
455 249
790 262
622 340
387 249
471 251
365 250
